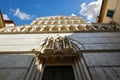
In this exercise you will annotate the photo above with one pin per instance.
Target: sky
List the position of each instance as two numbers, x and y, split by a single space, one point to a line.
25 11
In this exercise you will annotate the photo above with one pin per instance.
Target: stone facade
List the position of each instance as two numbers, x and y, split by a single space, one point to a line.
58 41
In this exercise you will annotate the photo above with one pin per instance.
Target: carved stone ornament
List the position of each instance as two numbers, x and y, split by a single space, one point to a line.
57 47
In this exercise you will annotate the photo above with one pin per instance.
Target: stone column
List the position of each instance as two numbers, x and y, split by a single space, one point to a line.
75 72
77 66
83 69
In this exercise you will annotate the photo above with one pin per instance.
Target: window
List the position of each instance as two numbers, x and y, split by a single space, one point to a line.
110 13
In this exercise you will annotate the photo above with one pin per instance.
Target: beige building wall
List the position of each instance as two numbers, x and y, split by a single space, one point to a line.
116 17
112 5
1 21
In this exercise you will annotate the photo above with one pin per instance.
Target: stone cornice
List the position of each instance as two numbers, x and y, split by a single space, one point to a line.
46 32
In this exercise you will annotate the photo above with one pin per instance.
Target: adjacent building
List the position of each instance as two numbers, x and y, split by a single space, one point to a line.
6 23
110 12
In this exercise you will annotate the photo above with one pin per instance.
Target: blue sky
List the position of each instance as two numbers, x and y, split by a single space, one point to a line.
25 11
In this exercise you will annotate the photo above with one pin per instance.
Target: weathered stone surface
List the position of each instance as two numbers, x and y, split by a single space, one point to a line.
112 73
27 42
19 48
102 58
15 60
102 46
12 74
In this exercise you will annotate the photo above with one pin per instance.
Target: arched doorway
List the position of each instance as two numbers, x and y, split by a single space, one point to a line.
61 55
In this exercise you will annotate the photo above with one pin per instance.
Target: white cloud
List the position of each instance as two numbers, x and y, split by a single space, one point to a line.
5 17
91 10
73 14
22 15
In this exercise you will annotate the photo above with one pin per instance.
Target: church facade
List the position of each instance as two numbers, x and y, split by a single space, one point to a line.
60 48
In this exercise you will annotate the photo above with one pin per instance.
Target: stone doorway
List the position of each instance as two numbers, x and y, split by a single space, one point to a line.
58 73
